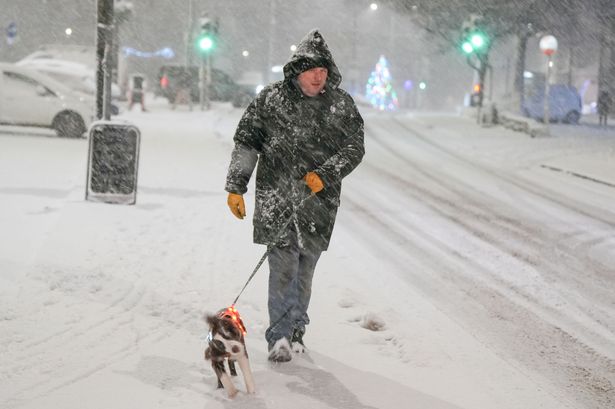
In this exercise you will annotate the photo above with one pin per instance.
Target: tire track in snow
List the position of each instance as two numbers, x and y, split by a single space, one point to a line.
577 354
531 244
505 324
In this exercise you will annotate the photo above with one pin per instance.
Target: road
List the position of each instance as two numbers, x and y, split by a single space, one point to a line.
522 258
463 267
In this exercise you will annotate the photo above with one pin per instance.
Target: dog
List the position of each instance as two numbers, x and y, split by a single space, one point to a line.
226 342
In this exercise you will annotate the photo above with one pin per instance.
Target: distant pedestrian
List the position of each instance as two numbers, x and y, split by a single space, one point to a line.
182 90
604 106
137 92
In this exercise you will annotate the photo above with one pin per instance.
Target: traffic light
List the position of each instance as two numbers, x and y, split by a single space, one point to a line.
206 43
206 40
475 42
477 95
473 37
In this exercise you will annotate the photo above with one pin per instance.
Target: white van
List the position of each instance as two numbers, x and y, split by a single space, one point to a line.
30 98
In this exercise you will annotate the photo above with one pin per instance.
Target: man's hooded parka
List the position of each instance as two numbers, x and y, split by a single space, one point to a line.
290 134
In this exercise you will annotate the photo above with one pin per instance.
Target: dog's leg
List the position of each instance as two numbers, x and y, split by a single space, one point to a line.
223 379
228 385
231 367
218 367
244 364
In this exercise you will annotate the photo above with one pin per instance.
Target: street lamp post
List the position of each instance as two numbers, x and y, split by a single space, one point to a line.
359 7
122 12
354 65
548 45
104 40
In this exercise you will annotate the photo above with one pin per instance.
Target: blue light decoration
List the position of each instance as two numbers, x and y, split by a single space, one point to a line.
379 89
166 53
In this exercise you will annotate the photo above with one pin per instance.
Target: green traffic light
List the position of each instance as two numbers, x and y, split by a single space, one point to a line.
478 40
206 43
467 47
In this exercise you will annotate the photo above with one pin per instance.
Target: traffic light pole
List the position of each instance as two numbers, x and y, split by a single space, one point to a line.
201 83
481 69
206 43
205 82
208 82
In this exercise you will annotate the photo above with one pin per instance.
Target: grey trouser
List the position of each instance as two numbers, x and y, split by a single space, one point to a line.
291 269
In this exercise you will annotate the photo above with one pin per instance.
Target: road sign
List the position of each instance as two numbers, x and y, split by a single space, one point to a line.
548 45
11 33
113 162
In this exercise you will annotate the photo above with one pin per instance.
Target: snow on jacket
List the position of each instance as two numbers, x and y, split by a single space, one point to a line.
290 134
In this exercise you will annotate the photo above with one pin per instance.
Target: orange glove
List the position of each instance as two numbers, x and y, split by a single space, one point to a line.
236 204
314 182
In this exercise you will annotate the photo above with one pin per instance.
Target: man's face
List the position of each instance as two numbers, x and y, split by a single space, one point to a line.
313 81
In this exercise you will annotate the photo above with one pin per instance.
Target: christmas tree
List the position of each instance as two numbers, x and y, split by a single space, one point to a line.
379 90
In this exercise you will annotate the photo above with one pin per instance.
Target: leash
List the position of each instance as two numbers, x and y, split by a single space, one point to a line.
280 232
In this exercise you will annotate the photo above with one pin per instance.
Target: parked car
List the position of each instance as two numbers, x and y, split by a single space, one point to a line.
76 76
565 104
222 88
248 86
30 98
250 83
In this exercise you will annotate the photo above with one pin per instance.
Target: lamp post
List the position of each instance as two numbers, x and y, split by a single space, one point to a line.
354 70
358 10
548 45
104 39
122 12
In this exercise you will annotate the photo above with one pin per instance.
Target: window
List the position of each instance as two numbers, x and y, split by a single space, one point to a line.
18 85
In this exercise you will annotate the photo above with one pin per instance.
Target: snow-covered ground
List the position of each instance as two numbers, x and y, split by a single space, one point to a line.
470 268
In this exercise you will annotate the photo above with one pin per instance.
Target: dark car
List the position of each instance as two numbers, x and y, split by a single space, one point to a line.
244 95
171 77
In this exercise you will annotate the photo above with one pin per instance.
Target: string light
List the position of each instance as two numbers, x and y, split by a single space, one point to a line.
235 317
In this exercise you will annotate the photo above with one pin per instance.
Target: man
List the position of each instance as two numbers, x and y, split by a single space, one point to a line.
306 135
137 92
604 106
183 88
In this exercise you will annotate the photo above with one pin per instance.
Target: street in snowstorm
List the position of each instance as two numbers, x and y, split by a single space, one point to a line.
465 272
471 261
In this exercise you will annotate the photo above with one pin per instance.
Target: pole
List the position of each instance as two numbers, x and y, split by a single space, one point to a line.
107 82
570 57
208 82
481 83
546 101
354 65
270 43
104 29
189 34
490 67
392 35
507 82
201 83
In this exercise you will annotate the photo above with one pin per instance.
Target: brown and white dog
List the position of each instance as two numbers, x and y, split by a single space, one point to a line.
226 342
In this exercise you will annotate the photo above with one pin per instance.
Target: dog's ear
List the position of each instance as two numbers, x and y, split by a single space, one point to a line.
211 320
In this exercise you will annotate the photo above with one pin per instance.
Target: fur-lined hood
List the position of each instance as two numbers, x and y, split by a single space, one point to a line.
311 52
